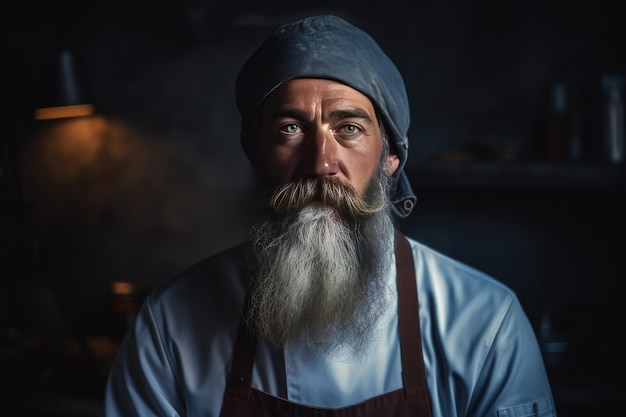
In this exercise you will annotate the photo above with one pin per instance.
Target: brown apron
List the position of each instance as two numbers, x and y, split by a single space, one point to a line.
241 400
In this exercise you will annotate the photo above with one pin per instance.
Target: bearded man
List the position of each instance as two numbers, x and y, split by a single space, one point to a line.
328 310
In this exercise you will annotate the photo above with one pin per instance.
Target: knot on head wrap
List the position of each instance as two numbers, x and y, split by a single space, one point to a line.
328 47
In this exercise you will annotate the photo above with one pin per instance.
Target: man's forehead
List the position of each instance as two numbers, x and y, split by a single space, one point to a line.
313 92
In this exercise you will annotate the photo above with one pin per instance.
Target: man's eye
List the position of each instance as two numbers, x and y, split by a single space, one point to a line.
350 129
290 128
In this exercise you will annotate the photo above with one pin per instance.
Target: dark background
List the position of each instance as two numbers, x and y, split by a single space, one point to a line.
156 180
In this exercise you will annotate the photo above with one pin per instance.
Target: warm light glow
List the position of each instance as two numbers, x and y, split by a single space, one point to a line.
122 288
61 112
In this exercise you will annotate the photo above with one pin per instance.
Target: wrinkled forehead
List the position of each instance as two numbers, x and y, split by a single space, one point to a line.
310 97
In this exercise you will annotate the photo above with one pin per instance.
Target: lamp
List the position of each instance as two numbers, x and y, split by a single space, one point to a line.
66 97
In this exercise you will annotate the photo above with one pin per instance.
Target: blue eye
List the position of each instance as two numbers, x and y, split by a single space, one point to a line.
350 129
290 128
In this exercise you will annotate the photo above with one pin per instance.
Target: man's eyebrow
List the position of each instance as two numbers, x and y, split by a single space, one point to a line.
356 112
290 113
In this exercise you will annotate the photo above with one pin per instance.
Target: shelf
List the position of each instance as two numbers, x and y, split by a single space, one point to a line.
515 174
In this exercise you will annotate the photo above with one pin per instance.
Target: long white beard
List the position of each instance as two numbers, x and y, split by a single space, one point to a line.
321 279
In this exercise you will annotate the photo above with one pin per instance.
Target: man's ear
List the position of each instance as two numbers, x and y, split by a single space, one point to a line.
393 162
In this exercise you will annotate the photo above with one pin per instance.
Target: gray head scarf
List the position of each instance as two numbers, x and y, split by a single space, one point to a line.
329 47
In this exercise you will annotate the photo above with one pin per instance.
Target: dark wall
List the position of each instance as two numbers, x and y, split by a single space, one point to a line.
156 179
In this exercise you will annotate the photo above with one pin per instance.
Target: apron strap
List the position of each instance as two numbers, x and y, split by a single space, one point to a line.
240 376
413 372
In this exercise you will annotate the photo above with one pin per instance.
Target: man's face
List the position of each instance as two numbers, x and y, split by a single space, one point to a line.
316 128
324 248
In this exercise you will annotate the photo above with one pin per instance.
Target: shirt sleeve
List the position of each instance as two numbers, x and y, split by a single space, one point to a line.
513 381
142 381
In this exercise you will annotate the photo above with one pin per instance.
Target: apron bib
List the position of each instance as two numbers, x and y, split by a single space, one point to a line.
241 400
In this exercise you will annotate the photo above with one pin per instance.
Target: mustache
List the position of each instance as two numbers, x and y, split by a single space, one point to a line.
295 195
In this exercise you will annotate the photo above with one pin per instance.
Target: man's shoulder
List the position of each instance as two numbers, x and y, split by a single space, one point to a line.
223 273
455 296
234 259
198 309
441 274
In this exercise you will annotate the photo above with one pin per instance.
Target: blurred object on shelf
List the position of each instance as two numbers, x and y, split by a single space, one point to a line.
453 156
103 349
125 304
497 148
576 138
613 117
554 135
558 124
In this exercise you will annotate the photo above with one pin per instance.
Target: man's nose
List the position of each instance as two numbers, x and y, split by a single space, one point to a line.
321 155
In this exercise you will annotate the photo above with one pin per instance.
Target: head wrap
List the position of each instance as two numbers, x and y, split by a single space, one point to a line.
328 47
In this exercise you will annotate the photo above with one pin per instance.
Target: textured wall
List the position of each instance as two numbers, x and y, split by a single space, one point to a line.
157 179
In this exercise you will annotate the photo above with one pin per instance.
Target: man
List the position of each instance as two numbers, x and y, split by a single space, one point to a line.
327 310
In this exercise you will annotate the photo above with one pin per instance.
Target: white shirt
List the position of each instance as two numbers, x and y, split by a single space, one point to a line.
480 352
